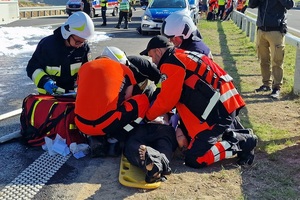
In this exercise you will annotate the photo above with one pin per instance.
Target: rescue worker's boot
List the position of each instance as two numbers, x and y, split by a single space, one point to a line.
246 156
114 147
98 146
247 141
117 26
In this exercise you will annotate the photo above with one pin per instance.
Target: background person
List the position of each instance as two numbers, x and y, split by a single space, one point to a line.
103 4
270 42
221 9
124 7
58 57
87 7
204 8
228 9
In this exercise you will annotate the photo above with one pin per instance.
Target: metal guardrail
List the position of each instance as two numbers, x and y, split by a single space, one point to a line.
41 11
248 25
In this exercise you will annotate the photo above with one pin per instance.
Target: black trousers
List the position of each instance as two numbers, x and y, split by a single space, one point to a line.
160 137
121 16
103 15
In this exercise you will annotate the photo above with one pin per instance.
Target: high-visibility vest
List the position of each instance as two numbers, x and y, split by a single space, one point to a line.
124 6
213 83
103 3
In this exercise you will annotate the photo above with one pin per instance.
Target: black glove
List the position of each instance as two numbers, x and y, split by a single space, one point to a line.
151 93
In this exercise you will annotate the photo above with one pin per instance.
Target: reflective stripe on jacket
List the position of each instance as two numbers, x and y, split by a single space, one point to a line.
52 59
195 85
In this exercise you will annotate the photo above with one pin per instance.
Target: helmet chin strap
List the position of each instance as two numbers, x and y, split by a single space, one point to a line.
195 37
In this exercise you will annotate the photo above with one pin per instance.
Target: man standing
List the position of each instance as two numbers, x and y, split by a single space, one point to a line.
124 10
270 41
103 5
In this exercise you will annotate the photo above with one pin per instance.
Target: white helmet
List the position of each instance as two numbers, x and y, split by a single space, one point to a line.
178 24
115 54
79 24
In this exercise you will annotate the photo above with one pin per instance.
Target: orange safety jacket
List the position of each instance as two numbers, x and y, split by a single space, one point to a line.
240 5
100 105
197 86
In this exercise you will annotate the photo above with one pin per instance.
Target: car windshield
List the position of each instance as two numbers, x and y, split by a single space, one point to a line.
167 4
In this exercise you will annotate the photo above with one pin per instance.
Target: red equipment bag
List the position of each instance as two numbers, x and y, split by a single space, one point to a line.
46 115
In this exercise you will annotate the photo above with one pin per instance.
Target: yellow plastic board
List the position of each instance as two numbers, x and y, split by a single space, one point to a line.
132 176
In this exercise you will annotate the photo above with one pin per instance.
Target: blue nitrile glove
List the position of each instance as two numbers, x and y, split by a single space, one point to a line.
50 86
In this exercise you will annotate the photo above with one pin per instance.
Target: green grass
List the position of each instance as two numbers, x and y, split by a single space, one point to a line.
233 50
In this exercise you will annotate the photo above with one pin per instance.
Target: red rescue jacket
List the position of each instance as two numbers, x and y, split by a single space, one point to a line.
197 86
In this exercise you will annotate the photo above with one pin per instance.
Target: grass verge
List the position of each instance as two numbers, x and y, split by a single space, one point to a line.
275 174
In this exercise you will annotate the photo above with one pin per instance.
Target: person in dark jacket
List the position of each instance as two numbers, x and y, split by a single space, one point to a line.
182 32
54 65
87 7
270 42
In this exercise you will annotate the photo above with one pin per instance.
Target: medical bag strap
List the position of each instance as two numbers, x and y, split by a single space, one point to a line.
51 123
26 115
95 122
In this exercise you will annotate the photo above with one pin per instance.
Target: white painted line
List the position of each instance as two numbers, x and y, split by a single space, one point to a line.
10 136
10 114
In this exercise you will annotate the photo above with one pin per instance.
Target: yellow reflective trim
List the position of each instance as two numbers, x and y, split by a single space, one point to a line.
37 75
54 71
158 85
33 111
80 28
75 68
72 126
41 91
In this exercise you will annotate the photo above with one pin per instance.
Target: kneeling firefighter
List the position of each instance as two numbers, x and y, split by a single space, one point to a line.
207 102
54 64
104 103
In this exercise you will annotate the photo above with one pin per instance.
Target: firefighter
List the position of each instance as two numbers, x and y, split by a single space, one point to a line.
206 101
182 32
104 103
54 65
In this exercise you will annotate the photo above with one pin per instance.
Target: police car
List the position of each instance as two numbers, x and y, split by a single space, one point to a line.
74 6
95 8
111 8
158 10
